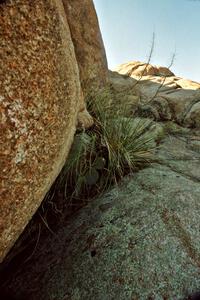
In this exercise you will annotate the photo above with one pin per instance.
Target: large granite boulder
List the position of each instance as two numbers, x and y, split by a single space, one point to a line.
40 97
88 44
162 95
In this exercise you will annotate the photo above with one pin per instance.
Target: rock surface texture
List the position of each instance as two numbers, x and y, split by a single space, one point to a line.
88 44
138 241
162 95
39 99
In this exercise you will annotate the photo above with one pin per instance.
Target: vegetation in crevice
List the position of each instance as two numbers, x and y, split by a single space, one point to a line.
116 145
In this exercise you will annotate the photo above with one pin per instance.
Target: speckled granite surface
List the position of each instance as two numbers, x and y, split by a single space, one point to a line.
39 98
88 43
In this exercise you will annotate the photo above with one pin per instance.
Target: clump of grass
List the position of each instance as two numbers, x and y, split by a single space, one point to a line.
113 147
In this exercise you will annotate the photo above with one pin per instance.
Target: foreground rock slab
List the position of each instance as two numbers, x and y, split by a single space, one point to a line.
138 241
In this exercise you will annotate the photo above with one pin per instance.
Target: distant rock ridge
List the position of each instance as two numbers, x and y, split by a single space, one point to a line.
161 94
137 68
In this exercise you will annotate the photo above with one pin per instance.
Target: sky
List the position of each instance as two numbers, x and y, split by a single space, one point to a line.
127 28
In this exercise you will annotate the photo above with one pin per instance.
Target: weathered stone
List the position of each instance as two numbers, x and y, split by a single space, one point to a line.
193 116
138 241
195 145
188 84
39 100
182 155
138 68
173 128
88 44
121 83
84 119
123 92
162 94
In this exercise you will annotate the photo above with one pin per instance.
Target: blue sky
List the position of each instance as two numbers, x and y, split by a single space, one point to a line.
127 28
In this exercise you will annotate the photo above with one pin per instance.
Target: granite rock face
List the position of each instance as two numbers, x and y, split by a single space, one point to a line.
138 241
88 44
40 96
163 95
